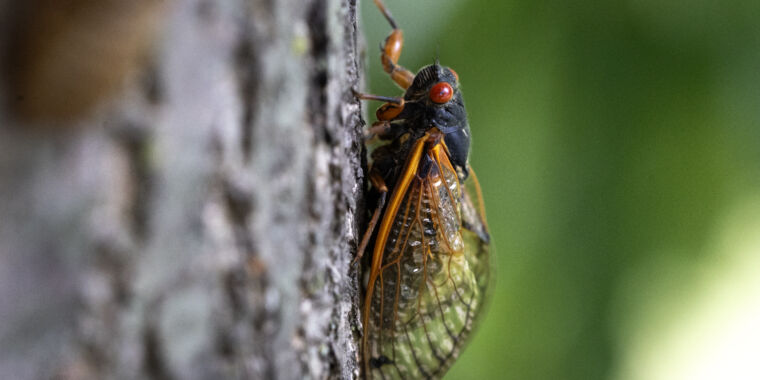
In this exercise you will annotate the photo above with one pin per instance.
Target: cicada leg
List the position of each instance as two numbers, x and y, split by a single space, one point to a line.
378 183
389 111
390 51
386 112
395 101
378 128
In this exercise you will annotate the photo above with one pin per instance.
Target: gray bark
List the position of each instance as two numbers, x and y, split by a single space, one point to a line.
198 221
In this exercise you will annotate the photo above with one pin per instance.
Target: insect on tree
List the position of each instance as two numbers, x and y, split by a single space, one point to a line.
429 266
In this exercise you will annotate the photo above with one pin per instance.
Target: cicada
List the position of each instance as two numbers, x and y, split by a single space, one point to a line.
429 265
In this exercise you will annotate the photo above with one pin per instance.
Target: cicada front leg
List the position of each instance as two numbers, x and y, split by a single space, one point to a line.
387 112
390 51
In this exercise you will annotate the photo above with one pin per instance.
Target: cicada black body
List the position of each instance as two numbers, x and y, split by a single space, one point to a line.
429 266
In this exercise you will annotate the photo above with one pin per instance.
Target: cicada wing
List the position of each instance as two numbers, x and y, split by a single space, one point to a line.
473 209
426 292
475 232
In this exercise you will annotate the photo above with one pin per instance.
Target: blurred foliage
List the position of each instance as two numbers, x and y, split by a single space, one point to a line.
612 139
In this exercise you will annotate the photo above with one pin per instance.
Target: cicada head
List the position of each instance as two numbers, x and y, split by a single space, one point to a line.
434 100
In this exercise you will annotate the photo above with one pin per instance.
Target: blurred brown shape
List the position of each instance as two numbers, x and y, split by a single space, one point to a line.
69 56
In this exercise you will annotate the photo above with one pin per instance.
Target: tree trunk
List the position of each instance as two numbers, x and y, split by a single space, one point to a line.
189 215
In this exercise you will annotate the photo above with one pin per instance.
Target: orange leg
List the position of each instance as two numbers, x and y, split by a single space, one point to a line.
390 99
378 128
384 114
389 110
378 183
391 51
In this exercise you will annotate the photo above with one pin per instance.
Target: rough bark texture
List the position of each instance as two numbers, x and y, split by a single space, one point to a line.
201 222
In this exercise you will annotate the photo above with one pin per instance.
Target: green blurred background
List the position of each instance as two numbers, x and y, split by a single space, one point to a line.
618 144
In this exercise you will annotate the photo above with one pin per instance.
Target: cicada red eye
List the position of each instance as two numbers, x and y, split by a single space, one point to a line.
441 92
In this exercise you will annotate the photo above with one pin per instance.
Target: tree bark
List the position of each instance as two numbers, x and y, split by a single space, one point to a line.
198 221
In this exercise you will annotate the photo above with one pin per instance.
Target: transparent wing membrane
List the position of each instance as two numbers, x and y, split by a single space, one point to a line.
429 287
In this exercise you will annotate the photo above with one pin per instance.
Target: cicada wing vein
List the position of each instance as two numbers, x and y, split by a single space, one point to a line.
424 291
